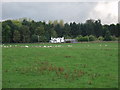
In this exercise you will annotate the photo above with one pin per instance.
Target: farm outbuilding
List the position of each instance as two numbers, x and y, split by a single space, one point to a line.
70 41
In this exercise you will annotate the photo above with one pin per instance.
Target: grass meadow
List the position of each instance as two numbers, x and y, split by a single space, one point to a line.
69 65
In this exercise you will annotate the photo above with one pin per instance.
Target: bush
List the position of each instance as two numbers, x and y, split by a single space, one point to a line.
114 38
78 38
100 38
118 38
92 38
81 38
108 38
85 38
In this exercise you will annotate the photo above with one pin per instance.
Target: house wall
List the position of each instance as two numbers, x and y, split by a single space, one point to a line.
57 40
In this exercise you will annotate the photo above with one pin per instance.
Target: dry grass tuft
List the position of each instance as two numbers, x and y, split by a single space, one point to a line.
67 56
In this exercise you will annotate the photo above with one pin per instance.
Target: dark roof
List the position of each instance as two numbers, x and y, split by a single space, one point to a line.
70 39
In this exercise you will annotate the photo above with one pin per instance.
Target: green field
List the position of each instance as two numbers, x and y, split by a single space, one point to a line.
82 65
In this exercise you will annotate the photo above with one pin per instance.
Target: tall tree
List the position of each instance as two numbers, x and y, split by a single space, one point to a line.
55 22
90 27
117 30
61 23
53 33
59 30
25 33
98 28
107 36
6 34
40 31
67 30
74 28
16 36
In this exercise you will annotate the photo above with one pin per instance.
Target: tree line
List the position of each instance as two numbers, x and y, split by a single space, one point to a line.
26 30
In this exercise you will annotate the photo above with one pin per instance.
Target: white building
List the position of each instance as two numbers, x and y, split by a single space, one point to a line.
57 40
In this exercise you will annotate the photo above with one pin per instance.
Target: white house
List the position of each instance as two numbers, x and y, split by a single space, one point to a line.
57 40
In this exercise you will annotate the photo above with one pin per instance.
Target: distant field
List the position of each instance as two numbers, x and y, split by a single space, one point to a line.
78 65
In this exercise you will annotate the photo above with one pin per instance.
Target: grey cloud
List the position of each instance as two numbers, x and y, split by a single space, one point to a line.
68 11
119 11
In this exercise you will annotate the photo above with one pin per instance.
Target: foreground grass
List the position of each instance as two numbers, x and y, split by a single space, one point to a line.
84 65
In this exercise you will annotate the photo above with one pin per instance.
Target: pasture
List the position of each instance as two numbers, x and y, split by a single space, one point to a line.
71 65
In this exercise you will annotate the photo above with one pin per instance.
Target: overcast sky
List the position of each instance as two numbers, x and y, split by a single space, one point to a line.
67 11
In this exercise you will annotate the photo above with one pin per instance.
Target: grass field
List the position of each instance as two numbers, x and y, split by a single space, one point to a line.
78 65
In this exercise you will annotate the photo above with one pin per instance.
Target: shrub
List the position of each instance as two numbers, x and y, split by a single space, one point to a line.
118 38
92 38
85 38
108 38
81 38
100 38
114 38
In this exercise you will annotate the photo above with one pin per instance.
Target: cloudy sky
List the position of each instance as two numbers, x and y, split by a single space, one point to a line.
67 11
